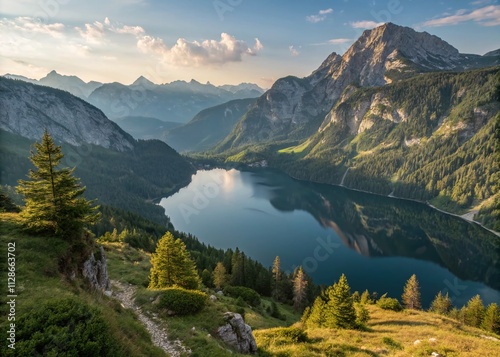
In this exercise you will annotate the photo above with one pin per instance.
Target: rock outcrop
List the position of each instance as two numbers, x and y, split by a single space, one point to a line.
95 269
237 334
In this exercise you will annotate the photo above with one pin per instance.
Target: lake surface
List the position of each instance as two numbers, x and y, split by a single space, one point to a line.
378 242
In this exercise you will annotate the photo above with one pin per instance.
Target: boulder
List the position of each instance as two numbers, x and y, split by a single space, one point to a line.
237 334
95 269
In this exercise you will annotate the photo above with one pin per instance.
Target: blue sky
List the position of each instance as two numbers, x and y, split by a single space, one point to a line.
221 41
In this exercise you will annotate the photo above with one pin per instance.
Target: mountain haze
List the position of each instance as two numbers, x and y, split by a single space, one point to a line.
208 127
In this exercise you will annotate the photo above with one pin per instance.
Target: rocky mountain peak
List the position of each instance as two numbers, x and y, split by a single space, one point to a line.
143 81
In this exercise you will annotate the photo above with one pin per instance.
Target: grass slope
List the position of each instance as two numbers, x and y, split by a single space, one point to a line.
38 280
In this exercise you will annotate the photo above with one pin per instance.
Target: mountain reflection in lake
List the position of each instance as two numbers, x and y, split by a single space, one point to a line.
378 242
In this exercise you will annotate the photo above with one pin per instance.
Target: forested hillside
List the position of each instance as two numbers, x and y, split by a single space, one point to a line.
430 138
127 180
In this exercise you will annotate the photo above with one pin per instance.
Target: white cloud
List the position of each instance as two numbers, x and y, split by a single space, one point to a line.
485 16
366 24
339 41
320 16
227 49
293 51
28 26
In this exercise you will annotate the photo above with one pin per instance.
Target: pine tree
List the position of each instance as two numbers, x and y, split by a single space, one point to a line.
473 312
365 298
411 294
171 265
340 310
52 195
299 289
238 268
316 316
276 277
219 275
441 304
491 320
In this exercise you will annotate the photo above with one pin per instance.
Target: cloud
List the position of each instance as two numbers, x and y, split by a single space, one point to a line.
29 26
365 24
227 49
339 41
485 16
320 16
294 51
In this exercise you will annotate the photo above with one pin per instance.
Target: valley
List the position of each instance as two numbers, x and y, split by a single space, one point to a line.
353 210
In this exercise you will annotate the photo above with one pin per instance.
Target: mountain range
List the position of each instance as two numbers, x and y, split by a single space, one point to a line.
294 108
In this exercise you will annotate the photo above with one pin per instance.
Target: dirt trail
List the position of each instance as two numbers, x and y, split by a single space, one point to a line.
125 294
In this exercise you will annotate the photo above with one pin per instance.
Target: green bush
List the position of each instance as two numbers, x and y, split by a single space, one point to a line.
249 295
182 301
65 327
290 334
388 303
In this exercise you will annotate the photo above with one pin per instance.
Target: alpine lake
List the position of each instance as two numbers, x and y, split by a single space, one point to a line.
378 242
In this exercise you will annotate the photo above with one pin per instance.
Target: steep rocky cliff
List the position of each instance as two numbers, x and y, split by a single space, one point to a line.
28 109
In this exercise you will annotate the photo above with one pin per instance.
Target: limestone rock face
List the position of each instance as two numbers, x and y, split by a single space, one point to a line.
28 109
237 334
294 107
96 271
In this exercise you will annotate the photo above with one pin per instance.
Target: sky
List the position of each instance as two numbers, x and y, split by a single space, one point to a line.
220 41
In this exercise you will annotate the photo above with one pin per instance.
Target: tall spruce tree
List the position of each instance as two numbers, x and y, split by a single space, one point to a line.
276 278
473 312
171 265
299 289
491 320
53 196
411 294
340 310
219 275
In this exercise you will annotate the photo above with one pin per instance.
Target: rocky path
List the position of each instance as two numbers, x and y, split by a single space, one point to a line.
124 293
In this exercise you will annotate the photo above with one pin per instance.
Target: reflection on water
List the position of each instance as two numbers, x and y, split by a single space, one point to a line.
378 242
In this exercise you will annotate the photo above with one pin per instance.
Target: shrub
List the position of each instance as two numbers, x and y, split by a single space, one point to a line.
388 303
392 343
182 301
290 334
65 327
249 295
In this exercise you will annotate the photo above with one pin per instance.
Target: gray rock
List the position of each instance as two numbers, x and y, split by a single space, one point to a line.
96 271
237 334
213 298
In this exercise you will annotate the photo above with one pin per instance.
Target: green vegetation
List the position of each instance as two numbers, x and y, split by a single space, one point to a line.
435 139
411 294
52 195
65 327
246 294
130 180
182 301
40 284
171 265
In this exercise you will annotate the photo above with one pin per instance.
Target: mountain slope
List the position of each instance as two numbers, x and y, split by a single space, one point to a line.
178 101
292 108
208 127
28 109
428 138
145 127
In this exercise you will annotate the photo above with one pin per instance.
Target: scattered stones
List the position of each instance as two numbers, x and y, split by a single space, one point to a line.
213 298
417 342
432 340
220 293
490 338
158 334
435 354
237 334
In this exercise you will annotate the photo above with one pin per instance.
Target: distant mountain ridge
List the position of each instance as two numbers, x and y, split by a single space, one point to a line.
71 84
178 101
294 108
